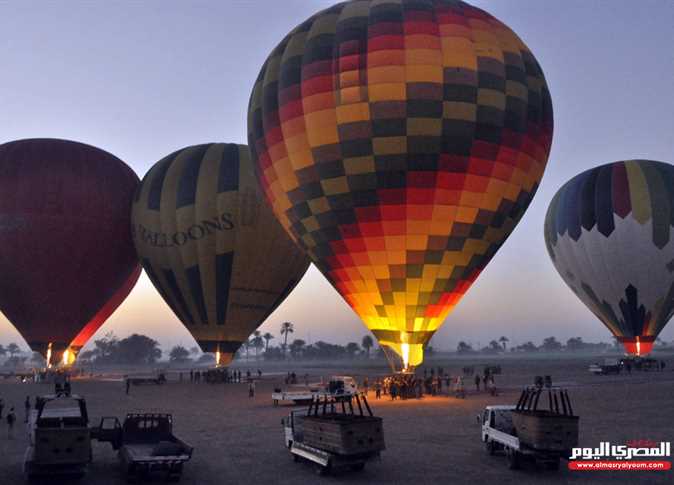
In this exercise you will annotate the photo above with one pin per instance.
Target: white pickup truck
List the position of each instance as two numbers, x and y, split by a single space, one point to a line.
337 386
498 433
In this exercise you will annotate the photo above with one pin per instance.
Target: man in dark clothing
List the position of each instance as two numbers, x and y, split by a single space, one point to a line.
11 419
477 383
128 385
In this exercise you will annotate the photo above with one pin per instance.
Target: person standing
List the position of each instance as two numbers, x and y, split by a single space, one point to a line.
366 385
128 385
477 383
377 389
492 386
11 419
26 406
251 389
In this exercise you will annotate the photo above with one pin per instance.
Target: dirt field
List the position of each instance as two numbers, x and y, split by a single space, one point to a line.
434 440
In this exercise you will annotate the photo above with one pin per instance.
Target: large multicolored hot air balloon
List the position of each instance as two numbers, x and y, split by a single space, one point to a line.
67 260
609 234
400 143
211 245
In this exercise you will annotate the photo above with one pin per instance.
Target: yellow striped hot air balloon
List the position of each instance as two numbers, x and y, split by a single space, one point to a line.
211 245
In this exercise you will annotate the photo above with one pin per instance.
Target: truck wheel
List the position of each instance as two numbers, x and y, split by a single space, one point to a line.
358 467
513 459
490 447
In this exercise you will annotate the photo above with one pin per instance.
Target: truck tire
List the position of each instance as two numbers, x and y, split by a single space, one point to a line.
358 467
322 470
513 458
490 447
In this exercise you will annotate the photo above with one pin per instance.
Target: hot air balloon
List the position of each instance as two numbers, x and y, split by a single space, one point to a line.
211 245
399 144
66 256
608 231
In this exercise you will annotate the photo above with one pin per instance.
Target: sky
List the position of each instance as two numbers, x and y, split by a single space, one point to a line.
143 79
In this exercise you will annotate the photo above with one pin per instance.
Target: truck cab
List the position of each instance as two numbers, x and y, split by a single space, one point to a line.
497 418
339 385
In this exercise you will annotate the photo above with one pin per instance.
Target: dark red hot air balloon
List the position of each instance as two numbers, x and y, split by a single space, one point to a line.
66 255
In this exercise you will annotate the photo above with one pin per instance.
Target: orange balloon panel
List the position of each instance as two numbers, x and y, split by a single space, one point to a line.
400 143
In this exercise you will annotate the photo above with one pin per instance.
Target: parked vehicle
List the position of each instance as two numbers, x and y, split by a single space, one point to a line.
59 437
610 366
335 434
336 386
526 431
158 379
146 444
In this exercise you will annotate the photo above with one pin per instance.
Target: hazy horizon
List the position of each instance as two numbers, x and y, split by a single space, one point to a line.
143 79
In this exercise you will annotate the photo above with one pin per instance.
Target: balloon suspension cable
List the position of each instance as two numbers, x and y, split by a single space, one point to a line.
393 359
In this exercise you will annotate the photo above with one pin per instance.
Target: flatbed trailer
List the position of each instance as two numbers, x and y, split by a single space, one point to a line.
159 379
296 397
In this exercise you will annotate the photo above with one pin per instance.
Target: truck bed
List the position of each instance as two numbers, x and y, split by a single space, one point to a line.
146 452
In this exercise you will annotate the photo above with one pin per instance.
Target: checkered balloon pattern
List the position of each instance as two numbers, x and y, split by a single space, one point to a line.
399 143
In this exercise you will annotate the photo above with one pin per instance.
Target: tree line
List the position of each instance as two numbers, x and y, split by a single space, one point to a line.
549 344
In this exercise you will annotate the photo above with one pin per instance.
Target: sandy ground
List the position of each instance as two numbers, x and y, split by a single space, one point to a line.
433 440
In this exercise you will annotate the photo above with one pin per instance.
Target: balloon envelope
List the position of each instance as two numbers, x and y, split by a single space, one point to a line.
65 239
211 245
608 231
400 143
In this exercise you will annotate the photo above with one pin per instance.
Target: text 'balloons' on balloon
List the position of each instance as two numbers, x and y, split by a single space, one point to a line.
66 255
399 143
211 245
608 231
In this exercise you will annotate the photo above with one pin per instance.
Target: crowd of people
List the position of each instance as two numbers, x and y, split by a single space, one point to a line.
433 383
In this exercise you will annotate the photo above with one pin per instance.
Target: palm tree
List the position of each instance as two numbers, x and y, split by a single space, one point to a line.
286 328
352 349
257 342
367 343
267 337
503 341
